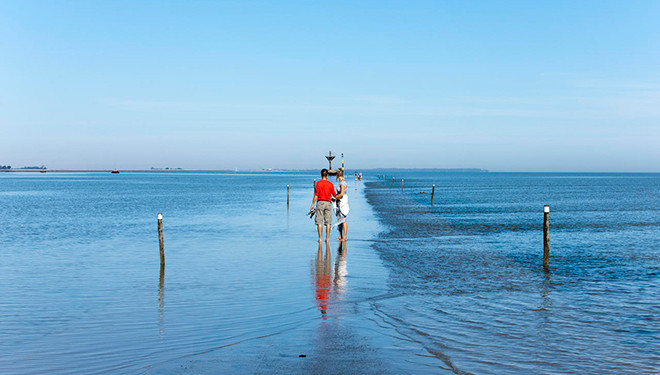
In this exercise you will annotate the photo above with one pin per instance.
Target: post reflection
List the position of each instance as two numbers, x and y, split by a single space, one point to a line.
161 303
545 308
544 290
322 280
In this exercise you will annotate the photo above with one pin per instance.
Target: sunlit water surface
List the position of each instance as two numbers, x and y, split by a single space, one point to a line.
455 287
82 290
468 270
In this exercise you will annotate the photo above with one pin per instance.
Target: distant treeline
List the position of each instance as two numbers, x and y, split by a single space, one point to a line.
7 167
34 167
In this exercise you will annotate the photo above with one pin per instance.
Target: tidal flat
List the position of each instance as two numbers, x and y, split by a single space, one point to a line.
456 287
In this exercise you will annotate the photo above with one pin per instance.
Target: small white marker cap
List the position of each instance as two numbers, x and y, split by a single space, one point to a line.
546 208
160 216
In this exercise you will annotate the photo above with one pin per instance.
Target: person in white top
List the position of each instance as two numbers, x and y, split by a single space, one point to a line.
341 206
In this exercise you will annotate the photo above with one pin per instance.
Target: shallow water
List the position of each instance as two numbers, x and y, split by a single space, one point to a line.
456 287
242 290
470 283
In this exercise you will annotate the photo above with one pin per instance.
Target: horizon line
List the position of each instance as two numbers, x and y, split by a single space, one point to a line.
276 170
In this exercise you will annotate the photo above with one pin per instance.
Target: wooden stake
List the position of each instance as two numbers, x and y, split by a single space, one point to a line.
546 236
402 185
432 194
160 240
392 181
287 195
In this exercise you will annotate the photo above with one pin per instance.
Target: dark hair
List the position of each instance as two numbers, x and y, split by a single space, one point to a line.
324 172
340 172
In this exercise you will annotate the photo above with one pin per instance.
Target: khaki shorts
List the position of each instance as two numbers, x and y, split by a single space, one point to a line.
323 213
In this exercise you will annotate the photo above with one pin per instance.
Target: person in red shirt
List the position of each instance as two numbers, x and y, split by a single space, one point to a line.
323 194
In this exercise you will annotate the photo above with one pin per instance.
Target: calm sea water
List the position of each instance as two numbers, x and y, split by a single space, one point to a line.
469 280
456 287
244 290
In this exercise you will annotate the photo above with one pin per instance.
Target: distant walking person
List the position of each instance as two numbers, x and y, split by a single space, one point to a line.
323 194
341 206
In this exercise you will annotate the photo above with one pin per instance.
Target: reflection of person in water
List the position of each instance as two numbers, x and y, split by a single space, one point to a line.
339 280
322 277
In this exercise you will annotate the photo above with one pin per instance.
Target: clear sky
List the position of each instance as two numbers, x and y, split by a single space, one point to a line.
501 85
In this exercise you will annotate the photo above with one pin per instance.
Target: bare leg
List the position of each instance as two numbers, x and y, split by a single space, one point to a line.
327 232
320 232
345 227
339 229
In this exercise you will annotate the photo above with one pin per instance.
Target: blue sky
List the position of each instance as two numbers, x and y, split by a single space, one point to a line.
506 86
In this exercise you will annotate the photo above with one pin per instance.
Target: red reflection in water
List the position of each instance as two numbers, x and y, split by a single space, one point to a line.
323 280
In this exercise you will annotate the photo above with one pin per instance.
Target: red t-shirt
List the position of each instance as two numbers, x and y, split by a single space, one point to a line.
324 190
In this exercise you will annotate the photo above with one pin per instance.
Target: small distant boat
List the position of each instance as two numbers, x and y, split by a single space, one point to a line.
115 170
42 171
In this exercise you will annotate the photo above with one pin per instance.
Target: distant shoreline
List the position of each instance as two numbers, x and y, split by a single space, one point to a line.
110 170
369 170
455 170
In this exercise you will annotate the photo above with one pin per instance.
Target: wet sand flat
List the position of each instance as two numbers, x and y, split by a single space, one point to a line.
456 287
340 333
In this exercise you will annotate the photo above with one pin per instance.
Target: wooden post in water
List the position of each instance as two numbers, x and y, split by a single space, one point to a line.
315 186
546 236
402 185
160 240
287 195
432 194
392 181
